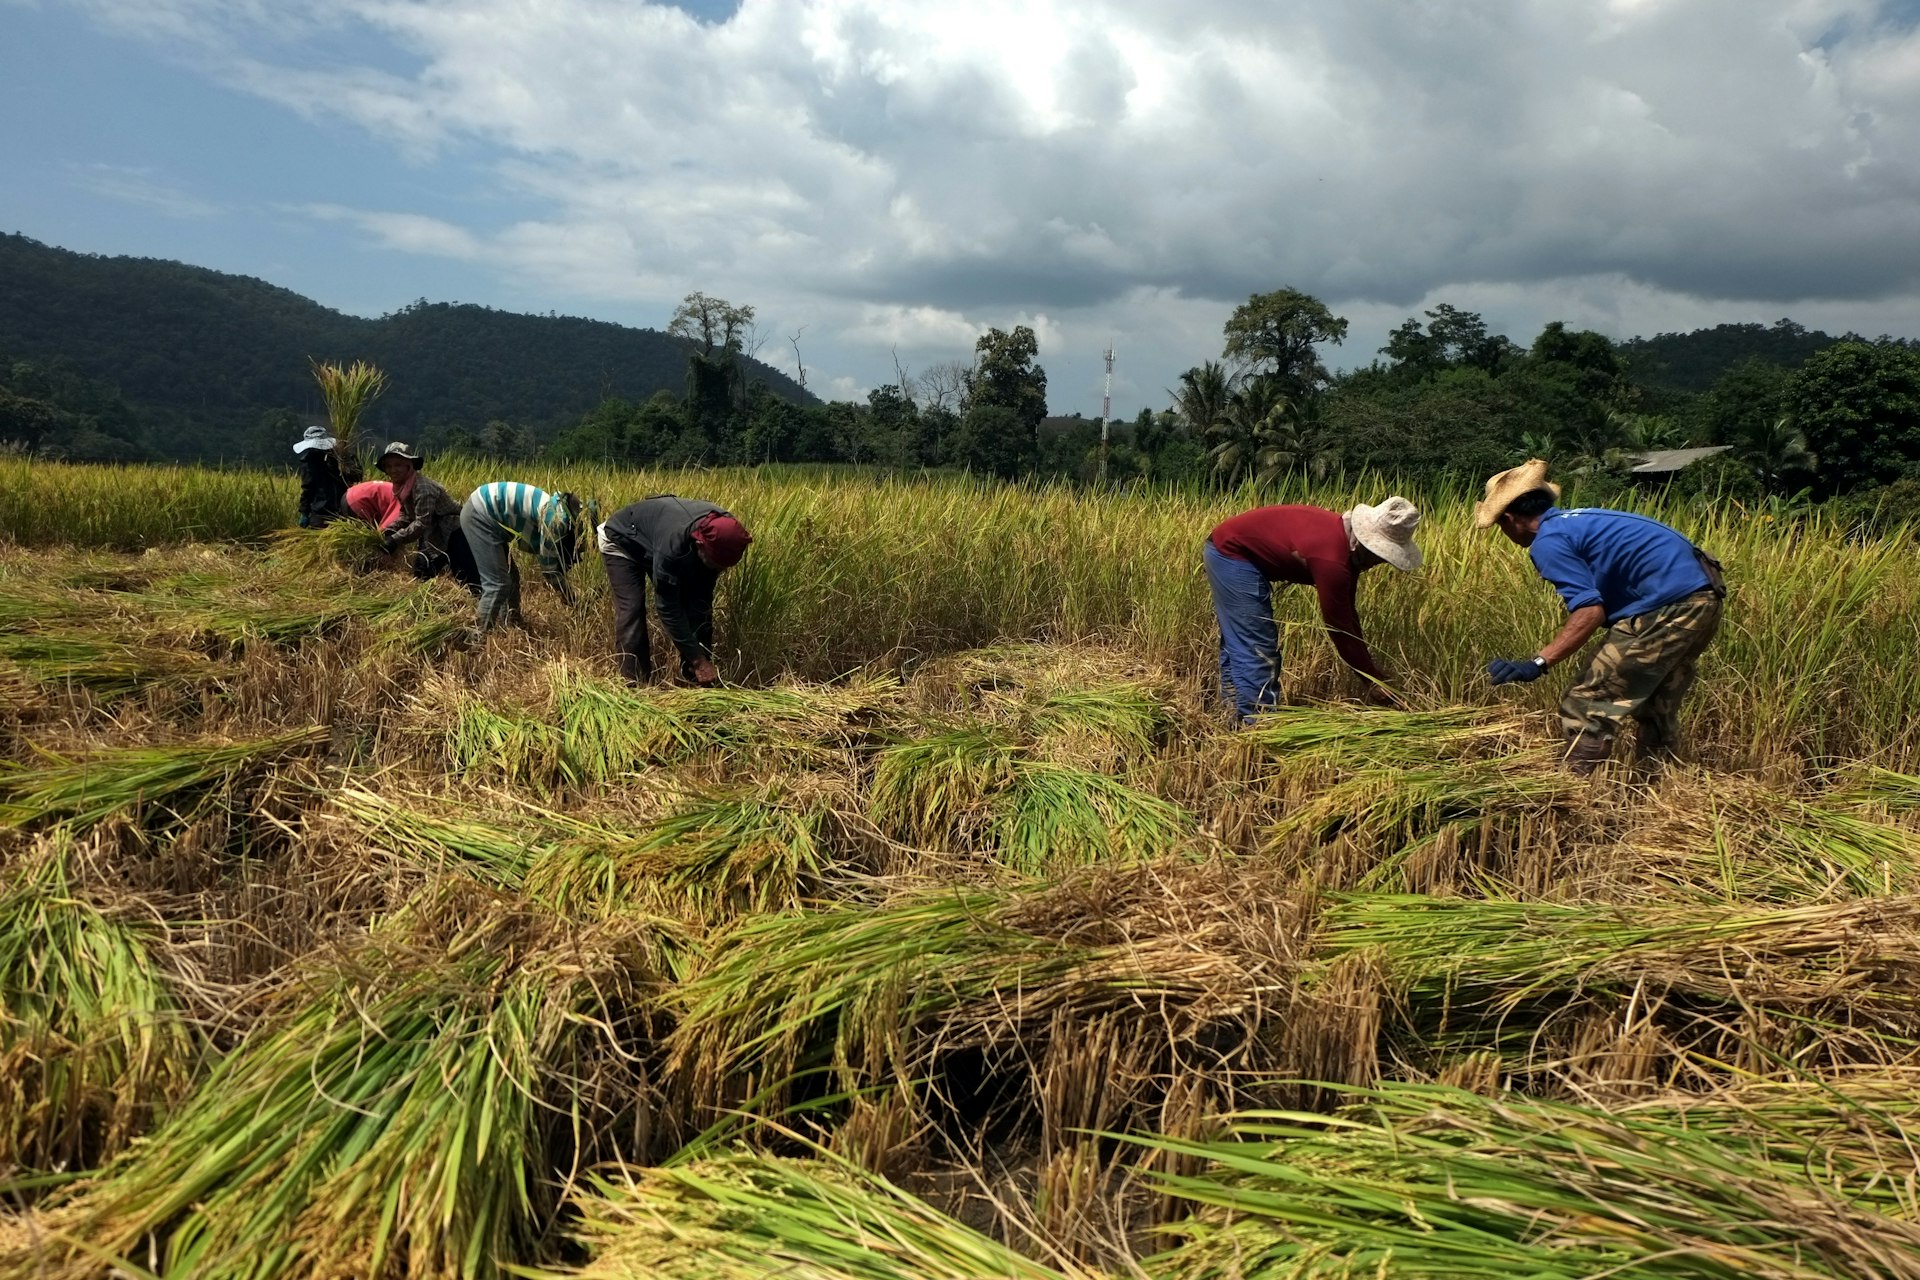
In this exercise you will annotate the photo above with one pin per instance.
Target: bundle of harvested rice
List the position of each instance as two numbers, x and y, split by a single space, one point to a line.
352 545
610 729
737 1216
104 668
1428 1181
93 1041
973 791
888 995
1830 982
167 783
405 1117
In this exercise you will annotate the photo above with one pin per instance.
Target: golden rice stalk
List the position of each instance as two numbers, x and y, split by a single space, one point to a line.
351 544
1422 1180
93 1041
741 1216
411 1116
166 783
347 390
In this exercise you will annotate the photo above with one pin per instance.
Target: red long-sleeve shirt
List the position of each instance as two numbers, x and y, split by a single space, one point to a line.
1307 546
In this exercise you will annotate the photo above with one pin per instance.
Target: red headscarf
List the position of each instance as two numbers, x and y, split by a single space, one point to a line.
722 538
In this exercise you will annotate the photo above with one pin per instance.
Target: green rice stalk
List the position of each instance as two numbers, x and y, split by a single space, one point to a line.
174 780
740 1216
610 730
106 669
93 1041
400 1121
1054 816
757 848
847 988
350 544
1847 972
1426 1181
1343 738
509 745
879 995
935 791
1112 725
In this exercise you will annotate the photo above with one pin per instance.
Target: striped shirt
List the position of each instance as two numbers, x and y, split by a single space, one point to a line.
539 518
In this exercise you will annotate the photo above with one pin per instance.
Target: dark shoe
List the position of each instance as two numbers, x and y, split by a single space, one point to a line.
1586 753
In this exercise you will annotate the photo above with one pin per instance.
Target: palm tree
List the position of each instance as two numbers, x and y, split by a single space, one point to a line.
1776 453
1202 400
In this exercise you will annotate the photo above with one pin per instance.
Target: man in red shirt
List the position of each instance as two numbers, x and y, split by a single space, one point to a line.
1327 550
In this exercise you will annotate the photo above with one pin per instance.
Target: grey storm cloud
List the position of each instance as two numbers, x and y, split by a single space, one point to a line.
1000 159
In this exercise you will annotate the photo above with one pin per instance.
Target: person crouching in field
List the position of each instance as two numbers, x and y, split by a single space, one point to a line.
427 514
1658 595
1326 550
682 546
547 523
322 491
373 502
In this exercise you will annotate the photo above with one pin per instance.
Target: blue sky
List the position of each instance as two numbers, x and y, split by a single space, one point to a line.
887 180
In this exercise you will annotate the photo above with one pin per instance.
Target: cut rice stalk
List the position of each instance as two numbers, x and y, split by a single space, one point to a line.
740 1216
174 780
93 1042
1054 816
401 1121
1427 1181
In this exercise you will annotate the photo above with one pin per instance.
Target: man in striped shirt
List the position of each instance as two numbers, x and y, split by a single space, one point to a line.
546 524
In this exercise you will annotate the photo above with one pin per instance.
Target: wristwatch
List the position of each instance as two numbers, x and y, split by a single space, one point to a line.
1541 662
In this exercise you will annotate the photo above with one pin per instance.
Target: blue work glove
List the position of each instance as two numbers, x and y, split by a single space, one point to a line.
1506 671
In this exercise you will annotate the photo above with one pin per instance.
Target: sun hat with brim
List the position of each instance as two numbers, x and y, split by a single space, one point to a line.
1387 531
1508 485
314 437
398 449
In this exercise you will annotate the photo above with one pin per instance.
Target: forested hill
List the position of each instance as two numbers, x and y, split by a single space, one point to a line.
1695 361
202 360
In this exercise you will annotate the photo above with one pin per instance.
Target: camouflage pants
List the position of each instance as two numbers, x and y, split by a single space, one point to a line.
1643 669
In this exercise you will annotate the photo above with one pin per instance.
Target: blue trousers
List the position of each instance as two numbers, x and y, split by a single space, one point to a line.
1249 637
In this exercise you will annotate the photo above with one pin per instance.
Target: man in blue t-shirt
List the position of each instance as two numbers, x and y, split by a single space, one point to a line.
1655 592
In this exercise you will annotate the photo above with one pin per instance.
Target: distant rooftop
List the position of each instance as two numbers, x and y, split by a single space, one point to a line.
1656 462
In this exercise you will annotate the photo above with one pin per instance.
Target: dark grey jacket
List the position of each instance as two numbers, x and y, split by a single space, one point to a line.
657 533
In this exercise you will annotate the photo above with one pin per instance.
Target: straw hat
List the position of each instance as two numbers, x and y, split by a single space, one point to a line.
314 437
1387 531
398 449
1508 485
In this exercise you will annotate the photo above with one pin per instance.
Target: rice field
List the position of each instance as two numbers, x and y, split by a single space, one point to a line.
957 936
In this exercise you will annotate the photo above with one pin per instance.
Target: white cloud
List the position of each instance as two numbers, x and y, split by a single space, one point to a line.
902 176
140 186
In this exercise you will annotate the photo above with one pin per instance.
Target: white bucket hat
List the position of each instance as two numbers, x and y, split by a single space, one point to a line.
314 437
1387 531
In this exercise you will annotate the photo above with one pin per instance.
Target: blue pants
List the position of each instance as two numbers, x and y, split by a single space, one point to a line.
1249 637
490 542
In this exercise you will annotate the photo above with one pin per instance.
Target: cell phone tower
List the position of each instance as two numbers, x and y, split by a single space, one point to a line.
1106 413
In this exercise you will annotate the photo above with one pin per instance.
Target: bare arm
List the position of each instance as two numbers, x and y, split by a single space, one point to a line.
1579 628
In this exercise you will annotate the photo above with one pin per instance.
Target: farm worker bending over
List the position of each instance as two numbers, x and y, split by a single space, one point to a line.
373 501
682 546
546 522
1310 546
1658 595
429 514
322 491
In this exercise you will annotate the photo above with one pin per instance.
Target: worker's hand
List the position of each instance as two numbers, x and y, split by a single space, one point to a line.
1507 671
1378 695
703 672
387 540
